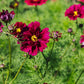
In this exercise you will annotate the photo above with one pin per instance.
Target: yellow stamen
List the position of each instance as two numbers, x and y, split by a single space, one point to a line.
18 30
75 13
34 38
16 4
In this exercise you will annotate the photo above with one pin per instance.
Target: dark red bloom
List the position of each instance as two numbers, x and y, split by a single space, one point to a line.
45 83
81 1
82 41
55 35
75 11
1 26
35 40
35 2
14 4
18 29
6 16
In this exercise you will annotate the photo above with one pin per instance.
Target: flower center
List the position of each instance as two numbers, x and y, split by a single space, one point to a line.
34 38
35 0
16 4
18 30
75 13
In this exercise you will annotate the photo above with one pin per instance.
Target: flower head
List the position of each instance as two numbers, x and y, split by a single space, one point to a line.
81 1
75 11
82 41
35 2
1 26
55 35
80 25
14 4
2 66
18 29
70 30
34 39
6 16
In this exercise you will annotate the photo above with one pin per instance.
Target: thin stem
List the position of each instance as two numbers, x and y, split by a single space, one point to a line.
52 47
79 76
18 70
7 77
36 8
46 64
77 25
44 56
9 54
3 79
9 57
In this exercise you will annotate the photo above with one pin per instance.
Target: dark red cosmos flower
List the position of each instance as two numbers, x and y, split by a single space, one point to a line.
55 35
35 39
81 1
82 41
75 11
14 4
6 16
18 29
1 26
35 2
45 83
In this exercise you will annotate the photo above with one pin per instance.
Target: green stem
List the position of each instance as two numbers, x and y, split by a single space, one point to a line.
18 70
52 47
79 76
3 79
9 54
77 25
9 57
46 64
36 8
44 56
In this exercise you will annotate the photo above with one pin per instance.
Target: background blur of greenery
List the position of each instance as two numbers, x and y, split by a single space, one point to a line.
65 65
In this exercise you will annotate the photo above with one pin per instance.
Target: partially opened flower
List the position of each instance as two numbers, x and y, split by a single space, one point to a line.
70 30
1 26
2 65
35 2
35 39
18 29
55 35
14 4
6 16
75 11
82 41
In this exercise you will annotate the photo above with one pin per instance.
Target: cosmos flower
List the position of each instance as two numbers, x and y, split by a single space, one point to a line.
1 26
75 11
35 39
6 16
82 41
55 35
81 1
18 29
35 2
2 65
14 4
70 30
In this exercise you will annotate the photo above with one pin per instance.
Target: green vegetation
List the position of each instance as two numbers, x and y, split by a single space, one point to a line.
65 65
